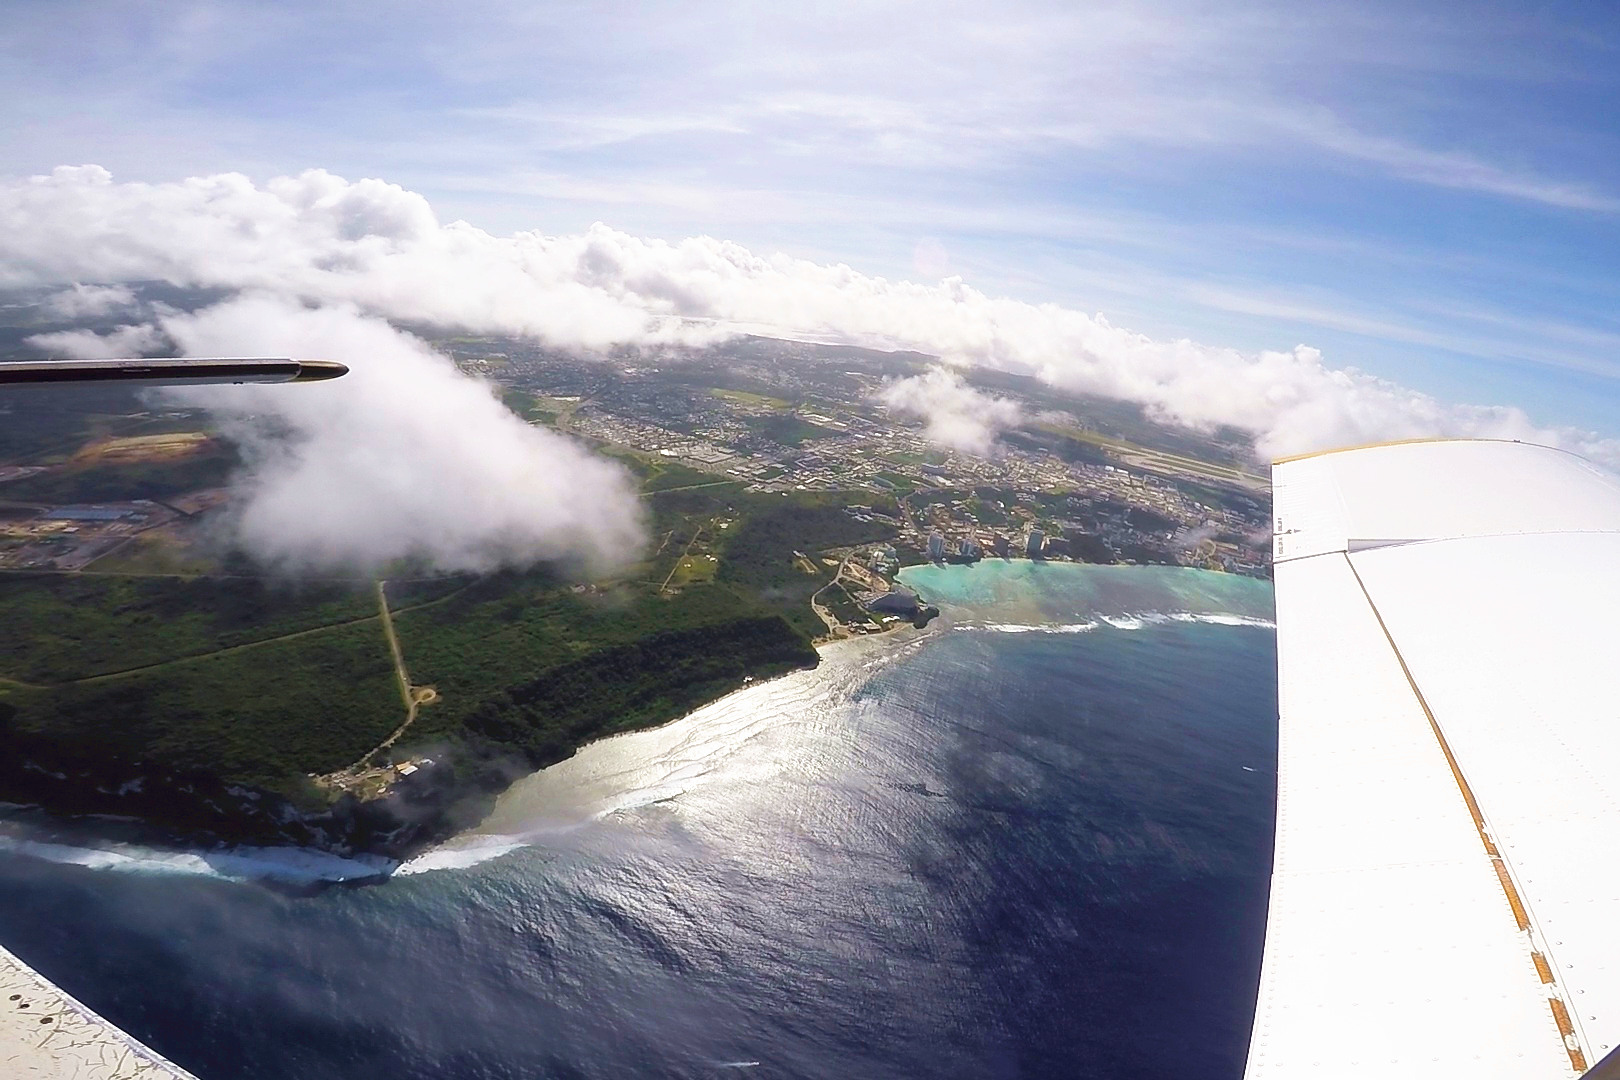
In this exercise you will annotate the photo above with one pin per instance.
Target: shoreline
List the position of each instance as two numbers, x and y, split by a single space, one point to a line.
68 837
236 850
894 637
630 770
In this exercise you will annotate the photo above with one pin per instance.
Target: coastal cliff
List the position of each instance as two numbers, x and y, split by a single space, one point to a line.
116 768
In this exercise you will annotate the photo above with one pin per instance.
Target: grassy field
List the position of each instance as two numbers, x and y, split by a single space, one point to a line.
695 570
98 479
167 551
788 430
749 400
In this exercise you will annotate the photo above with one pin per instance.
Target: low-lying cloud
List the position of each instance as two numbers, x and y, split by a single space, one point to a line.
954 414
136 339
79 301
405 457
374 248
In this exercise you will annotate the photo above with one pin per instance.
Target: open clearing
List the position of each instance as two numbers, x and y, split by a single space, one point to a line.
130 448
695 570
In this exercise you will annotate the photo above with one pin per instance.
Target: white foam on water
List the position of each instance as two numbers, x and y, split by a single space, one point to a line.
460 853
105 859
1230 620
296 866
1124 622
1041 628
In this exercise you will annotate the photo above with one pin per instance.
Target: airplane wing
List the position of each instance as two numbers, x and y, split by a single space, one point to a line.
182 371
1445 895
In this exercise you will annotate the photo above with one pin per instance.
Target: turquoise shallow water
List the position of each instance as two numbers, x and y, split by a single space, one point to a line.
1025 592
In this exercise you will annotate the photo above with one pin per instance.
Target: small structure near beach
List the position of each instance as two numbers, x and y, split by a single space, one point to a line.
903 602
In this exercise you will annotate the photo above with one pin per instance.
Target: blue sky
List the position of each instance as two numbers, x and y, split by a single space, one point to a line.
1429 192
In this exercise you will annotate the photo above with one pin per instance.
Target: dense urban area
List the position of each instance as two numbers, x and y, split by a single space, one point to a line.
779 416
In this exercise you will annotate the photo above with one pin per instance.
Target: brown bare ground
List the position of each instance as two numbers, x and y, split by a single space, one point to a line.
128 448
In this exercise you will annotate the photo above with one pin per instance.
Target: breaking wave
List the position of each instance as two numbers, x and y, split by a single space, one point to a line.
1025 628
1129 622
283 866
1225 620
1136 621
460 854
1159 618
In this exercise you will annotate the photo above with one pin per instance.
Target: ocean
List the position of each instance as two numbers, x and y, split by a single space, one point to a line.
1033 841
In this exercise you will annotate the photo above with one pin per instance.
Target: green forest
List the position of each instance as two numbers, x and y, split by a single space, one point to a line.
265 682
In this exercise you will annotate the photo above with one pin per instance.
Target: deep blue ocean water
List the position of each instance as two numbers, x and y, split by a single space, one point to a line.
995 851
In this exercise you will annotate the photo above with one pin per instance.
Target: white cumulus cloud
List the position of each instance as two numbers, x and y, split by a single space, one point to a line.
133 340
320 239
80 301
403 457
956 415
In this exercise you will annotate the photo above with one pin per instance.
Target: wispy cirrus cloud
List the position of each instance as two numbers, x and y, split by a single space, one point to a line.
965 88
1443 168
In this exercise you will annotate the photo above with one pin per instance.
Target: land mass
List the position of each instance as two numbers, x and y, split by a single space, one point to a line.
149 671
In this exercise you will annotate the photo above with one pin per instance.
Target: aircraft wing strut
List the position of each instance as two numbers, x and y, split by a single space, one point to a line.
177 371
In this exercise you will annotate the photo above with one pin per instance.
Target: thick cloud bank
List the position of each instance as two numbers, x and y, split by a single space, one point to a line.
956 415
321 239
403 457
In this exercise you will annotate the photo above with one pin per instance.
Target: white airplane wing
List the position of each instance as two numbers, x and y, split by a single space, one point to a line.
1445 896
47 1035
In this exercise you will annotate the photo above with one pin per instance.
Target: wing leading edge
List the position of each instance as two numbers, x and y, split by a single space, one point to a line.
182 371
1444 897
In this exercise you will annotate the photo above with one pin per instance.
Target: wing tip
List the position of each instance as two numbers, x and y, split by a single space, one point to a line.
319 370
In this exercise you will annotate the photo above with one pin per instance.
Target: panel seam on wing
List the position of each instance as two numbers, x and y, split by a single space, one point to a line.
1562 1017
